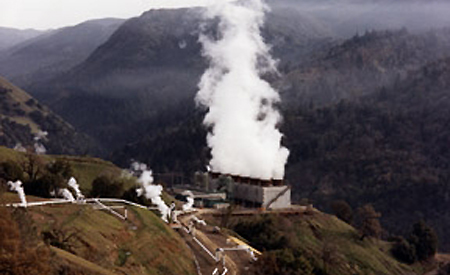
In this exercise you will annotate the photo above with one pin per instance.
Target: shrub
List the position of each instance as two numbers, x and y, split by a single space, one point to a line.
11 171
343 211
104 186
404 251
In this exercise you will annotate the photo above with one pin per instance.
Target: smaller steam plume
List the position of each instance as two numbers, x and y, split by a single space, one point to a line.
17 186
66 194
149 190
190 200
39 148
19 148
74 185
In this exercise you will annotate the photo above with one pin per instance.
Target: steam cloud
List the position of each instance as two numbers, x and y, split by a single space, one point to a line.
66 194
17 186
149 190
73 183
190 200
244 139
39 148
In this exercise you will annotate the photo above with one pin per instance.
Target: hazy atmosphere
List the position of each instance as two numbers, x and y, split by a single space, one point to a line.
50 14
246 137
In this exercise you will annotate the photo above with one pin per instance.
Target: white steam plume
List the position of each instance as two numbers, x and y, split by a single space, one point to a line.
19 148
190 200
244 139
149 190
73 183
66 194
17 186
39 148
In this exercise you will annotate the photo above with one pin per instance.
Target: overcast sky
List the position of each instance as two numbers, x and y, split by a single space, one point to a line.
47 14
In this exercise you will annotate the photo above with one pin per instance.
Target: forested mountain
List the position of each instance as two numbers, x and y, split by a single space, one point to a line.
361 65
55 51
22 117
390 149
151 65
11 37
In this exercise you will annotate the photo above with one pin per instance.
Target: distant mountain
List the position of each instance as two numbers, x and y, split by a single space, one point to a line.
22 117
346 18
54 52
10 37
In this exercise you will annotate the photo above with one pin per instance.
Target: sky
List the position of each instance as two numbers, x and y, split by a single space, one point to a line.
51 14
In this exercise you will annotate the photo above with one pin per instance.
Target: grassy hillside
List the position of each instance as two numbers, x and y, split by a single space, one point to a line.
85 169
87 241
317 243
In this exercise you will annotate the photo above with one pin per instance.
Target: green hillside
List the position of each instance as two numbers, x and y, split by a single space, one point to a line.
317 243
85 169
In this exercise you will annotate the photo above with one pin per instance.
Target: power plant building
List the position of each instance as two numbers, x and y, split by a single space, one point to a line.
270 194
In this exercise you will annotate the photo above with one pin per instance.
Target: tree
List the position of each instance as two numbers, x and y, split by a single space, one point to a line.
370 224
424 239
60 167
343 211
45 181
31 166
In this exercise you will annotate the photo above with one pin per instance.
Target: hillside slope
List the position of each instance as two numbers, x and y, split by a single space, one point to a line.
83 240
22 117
314 243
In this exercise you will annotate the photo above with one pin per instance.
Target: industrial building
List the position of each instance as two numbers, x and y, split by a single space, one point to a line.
269 194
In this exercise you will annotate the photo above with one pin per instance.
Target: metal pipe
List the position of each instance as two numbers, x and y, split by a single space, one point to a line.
110 210
204 248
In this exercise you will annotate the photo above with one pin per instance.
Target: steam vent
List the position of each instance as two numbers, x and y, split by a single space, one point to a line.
269 194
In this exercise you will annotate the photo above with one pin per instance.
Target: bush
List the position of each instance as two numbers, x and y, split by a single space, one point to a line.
283 261
11 171
404 251
263 233
104 186
343 211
